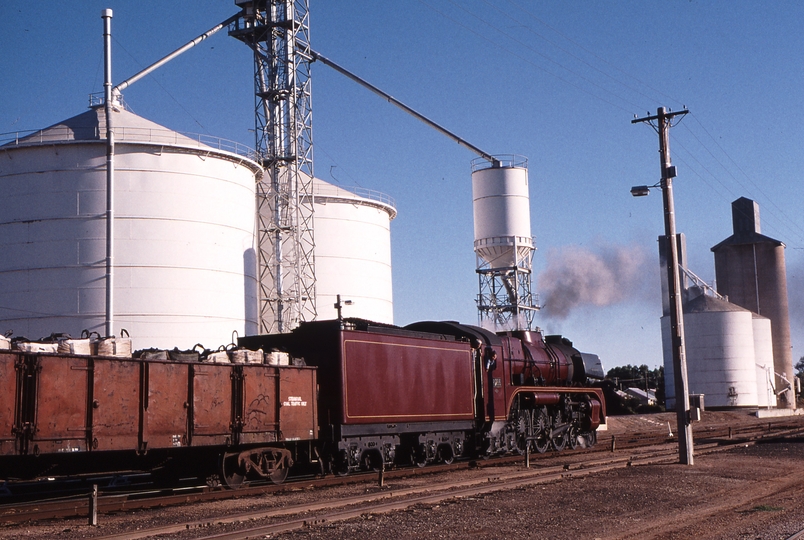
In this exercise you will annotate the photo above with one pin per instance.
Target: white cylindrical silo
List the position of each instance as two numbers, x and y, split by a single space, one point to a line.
719 344
763 361
501 206
353 252
184 242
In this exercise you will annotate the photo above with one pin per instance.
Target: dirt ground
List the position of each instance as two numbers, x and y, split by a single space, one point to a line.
749 492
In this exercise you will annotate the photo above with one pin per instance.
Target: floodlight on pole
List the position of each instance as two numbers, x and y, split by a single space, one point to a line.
640 191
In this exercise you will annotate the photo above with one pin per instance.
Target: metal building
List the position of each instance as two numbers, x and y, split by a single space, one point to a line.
750 271
185 263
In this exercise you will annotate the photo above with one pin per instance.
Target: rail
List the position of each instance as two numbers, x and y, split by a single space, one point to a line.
552 467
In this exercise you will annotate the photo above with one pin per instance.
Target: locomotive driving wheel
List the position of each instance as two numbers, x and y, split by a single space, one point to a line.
562 421
560 441
541 430
572 437
524 431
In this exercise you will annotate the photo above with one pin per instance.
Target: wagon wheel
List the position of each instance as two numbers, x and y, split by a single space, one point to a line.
231 471
541 430
279 475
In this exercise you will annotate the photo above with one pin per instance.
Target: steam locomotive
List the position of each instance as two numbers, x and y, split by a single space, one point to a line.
331 396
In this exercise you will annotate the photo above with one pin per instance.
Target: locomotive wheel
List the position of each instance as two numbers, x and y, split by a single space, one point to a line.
445 454
525 431
541 430
572 437
419 456
231 472
371 461
340 465
560 442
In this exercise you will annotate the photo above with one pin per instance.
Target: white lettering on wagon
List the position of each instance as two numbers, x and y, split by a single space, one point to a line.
294 401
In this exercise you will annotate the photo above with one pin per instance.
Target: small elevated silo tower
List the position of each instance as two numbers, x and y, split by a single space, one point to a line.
750 271
503 243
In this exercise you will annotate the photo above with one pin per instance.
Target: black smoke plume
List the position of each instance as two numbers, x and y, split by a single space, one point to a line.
576 277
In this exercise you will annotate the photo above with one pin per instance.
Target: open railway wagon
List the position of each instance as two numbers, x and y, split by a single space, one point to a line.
66 415
434 391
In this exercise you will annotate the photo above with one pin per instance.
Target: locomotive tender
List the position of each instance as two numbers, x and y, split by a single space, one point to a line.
355 395
434 391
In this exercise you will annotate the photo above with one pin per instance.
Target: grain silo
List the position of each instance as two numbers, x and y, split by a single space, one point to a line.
184 236
750 271
720 349
763 362
353 252
503 243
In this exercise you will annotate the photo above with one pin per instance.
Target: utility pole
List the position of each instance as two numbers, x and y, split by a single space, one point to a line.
685 450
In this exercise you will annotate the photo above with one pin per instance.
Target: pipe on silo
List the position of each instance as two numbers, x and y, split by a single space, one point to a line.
106 15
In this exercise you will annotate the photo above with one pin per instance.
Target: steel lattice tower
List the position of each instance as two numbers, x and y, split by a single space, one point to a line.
278 33
505 300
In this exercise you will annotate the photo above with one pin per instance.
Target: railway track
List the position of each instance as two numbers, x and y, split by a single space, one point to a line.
319 513
611 452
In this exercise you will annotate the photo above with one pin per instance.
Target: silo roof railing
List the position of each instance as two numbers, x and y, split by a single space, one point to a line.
330 190
503 161
126 134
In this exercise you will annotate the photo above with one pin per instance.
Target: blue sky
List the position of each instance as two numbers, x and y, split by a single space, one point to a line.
555 81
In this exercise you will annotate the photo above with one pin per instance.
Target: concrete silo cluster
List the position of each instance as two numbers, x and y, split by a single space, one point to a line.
737 339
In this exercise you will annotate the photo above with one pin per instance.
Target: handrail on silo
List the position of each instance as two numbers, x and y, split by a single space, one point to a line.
503 161
124 134
331 190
